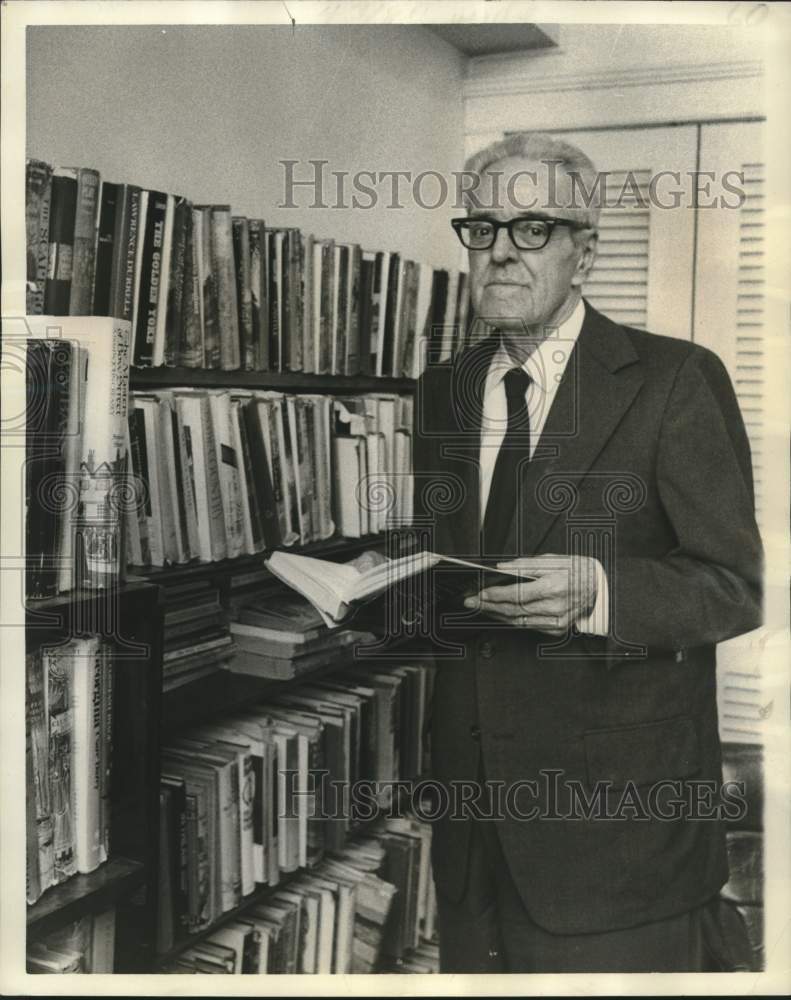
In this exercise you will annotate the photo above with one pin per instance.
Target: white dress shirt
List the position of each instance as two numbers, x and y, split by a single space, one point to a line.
545 366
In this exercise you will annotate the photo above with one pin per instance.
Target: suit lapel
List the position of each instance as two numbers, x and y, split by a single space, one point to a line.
600 382
460 452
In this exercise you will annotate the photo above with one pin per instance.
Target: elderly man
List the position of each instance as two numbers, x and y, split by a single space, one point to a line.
612 465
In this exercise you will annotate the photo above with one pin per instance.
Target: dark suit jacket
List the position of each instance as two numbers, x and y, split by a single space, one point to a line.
643 463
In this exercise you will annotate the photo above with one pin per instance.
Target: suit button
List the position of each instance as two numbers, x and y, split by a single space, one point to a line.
487 650
475 732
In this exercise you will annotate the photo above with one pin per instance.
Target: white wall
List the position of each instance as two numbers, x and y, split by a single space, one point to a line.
209 111
617 74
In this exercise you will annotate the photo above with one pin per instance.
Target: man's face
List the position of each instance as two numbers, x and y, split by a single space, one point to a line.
512 288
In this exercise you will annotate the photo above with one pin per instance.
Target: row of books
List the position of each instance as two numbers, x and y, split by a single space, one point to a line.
223 473
85 945
75 406
205 288
267 791
68 760
372 899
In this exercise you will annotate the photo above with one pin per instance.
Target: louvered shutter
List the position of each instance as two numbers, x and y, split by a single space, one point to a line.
618 281
729 318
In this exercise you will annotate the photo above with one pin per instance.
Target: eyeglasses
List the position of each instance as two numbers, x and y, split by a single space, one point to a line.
527 232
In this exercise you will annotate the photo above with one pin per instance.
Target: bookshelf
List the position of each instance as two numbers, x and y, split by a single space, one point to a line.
134 612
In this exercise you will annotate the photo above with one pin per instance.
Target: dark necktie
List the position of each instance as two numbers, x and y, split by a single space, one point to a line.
513 454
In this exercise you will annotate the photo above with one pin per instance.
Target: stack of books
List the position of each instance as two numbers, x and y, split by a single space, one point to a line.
76 386
197 637
273 789
223 474
205 288
86 945
280 636
68 710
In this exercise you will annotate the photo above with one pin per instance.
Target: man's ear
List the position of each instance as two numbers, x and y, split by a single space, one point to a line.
589 241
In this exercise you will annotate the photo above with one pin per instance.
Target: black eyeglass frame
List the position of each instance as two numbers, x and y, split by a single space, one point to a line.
548 220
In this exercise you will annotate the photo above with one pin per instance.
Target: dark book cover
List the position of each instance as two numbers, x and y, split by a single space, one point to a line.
436 313
63 208
367 267
408 320
261 477
375 344
85 218
150 272
391 315
182 482
244 291
177 858
38 195
105 237
341 312
259 291
125 243
222 261
47 375
190 350
178 278
139 459
251 499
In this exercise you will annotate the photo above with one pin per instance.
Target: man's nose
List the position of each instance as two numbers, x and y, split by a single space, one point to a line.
503 248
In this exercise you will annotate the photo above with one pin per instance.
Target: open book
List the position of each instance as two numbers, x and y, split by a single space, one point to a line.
334 588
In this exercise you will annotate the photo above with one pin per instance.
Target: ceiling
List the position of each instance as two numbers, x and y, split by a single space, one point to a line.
487 39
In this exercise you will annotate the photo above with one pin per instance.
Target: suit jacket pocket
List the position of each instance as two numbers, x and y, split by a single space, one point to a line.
644 754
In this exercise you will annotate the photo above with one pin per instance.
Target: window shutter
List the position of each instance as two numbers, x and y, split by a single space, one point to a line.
618 281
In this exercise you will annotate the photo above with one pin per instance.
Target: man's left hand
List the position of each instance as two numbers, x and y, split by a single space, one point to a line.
563 592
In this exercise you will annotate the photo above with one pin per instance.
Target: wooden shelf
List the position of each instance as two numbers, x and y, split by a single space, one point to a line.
345 547
83 894
164 377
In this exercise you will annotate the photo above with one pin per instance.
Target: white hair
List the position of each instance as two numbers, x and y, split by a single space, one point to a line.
544 148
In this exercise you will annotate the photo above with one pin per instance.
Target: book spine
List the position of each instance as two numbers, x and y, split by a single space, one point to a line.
106 750
59 677
223 268
230 837
47 383
244 291
103 271
39 789
324 359
38 194
259 294
32 869
246 802
219 536
211 327
193 918
296 292
87 753
341 312
273 296
352 360
139 461
186 478
250 475
190 349
103 462
308 344
57 292
163 288
102 957
127 240
80 300
150 276
262 477
168 488
179 278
